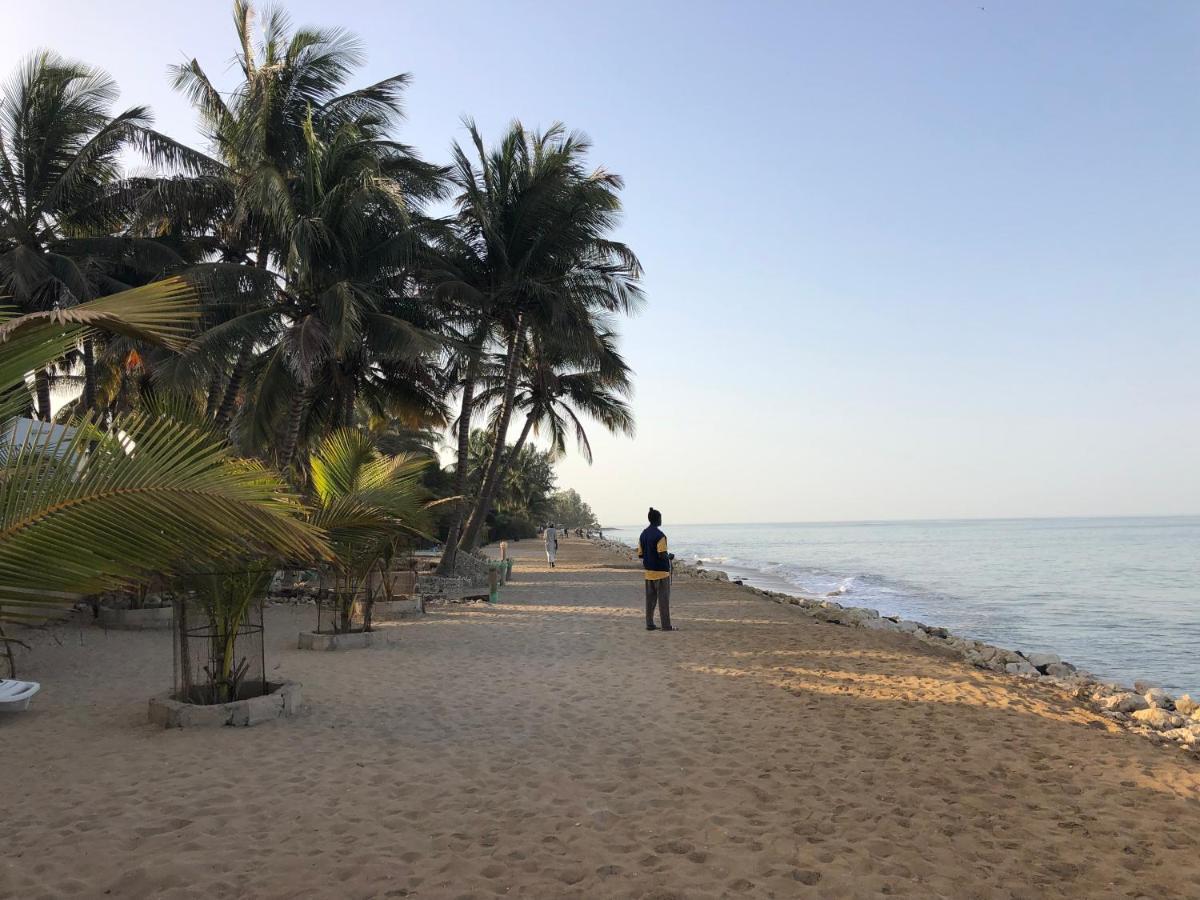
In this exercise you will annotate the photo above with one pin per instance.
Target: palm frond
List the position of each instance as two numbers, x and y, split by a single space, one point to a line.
90 509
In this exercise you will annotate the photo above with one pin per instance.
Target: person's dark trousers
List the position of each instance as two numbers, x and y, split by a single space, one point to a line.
658 593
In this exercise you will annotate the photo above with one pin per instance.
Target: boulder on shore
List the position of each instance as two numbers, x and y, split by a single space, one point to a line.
1125 702
1041 660
1060 670
1186 706
1159 699
1188 734
1158 718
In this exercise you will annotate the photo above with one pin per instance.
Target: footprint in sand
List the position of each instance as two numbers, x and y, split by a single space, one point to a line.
806 876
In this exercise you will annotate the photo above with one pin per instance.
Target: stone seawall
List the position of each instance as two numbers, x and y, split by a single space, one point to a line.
1143 708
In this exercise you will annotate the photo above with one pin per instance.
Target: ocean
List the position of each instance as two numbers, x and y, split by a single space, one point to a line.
1119 597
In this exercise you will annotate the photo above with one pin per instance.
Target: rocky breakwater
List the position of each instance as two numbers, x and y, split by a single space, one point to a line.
1144 708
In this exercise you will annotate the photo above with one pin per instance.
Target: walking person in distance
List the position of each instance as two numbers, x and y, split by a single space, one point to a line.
652 548
551 544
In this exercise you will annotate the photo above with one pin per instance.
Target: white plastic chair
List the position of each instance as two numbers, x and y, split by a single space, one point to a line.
16 695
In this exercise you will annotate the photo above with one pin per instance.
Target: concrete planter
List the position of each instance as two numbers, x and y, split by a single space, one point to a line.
151 618
355 640
283 700
398 609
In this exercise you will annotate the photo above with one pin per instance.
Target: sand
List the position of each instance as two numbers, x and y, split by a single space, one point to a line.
551 747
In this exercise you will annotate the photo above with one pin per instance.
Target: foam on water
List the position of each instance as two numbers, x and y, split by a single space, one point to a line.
1120 597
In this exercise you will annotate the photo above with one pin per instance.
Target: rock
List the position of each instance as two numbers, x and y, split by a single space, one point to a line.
853 616
1142 686
1041 660
1188 734
1159 699
1020 668
1060 670
1125 702
880 625
1186 706
908 627
1158 718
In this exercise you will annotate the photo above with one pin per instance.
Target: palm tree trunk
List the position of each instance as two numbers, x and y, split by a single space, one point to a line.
516 349
291 436
446 566
507 465
89 375
214 394
348 407
466 413
234 386
41 383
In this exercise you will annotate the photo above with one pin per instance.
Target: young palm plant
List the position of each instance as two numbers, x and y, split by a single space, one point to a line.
366 503
87 509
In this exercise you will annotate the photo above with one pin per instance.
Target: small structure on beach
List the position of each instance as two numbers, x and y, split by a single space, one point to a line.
219 660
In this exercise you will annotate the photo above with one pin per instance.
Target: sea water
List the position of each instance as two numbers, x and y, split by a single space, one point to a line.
1118 597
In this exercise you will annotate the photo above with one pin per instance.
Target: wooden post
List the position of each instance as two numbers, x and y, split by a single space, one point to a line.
493 584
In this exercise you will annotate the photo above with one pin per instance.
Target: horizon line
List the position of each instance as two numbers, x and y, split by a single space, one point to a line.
934 519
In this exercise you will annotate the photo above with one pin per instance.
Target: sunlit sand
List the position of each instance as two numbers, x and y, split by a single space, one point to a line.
550 747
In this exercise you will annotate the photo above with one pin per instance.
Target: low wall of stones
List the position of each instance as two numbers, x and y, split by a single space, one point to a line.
436 585
1143 708
471 567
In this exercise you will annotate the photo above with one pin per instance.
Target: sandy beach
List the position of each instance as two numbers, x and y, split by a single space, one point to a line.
549 746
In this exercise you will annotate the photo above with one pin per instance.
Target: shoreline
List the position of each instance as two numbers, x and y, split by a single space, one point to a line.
1142 708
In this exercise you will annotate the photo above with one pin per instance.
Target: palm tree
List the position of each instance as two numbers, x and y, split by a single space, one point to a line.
61 192
88 509
537 224
558 387
344 324
293 88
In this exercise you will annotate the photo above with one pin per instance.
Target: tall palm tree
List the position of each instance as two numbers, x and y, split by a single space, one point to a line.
558 388
537 223
344 326
61 191
288 130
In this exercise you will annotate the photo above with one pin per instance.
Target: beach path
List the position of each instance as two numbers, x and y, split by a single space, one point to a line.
549 746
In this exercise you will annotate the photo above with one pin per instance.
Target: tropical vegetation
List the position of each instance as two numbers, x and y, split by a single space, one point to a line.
286 325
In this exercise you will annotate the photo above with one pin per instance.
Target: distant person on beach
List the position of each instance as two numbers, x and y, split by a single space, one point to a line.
652 548
551 544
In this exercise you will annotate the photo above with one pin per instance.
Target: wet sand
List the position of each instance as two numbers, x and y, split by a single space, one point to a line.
551 747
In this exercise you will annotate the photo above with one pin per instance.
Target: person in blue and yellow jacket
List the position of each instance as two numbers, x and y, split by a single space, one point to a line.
652 548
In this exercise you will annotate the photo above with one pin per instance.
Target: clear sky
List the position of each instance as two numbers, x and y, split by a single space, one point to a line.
903 260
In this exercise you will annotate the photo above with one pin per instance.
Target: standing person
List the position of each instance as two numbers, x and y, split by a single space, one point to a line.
551 544
652 548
